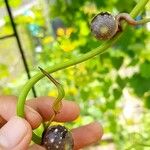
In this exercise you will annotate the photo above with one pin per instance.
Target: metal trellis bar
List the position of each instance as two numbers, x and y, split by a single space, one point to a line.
19 43
6 36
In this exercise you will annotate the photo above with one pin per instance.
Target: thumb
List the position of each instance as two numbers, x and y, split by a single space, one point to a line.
15 134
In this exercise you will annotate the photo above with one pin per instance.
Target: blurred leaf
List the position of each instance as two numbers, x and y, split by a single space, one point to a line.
134 62
84 94
84 30
139 84
113 123
6 30
94 111
145 69
121 8
121 82
147 102
117 93
111 104
4 71
15 3
117 62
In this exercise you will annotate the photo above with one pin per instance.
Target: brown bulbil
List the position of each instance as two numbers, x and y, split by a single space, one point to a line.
57 138
104 26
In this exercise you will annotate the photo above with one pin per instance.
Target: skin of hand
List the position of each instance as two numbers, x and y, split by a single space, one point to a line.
16 132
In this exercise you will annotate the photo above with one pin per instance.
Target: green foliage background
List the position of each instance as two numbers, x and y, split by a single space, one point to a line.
100 85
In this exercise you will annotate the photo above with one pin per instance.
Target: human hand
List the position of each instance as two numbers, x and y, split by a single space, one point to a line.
16 134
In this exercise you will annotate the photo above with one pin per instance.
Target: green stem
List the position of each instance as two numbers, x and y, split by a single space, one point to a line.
99 50
38 76
36 138
143 21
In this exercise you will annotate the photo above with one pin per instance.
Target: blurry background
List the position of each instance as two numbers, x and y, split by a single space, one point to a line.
113 88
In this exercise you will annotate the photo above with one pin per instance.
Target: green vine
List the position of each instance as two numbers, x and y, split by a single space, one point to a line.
99 50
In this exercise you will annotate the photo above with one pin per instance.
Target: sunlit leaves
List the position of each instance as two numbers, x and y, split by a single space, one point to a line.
4 71
12 3
47 40
67 45
117 62
15 3
140 84
147 101
6 30
145 69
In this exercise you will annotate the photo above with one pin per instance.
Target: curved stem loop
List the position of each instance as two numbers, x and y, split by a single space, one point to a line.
61 93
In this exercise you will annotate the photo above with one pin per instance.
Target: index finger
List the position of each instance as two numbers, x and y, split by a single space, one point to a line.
37 110
43 105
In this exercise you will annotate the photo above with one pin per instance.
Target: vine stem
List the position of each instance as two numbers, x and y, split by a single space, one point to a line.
143 21
38 76
99 50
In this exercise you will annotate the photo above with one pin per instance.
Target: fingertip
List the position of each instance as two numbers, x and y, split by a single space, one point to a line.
14 132
99 131
86 135
69 111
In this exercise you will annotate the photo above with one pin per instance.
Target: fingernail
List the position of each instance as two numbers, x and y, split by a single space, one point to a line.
33 116
12 132
28 108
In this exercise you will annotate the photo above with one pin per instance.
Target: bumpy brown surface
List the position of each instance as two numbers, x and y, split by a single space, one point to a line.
57 138
102 20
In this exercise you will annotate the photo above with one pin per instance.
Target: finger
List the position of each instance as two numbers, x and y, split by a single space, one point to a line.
36 147
43 105
86 135
15 134
8 109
